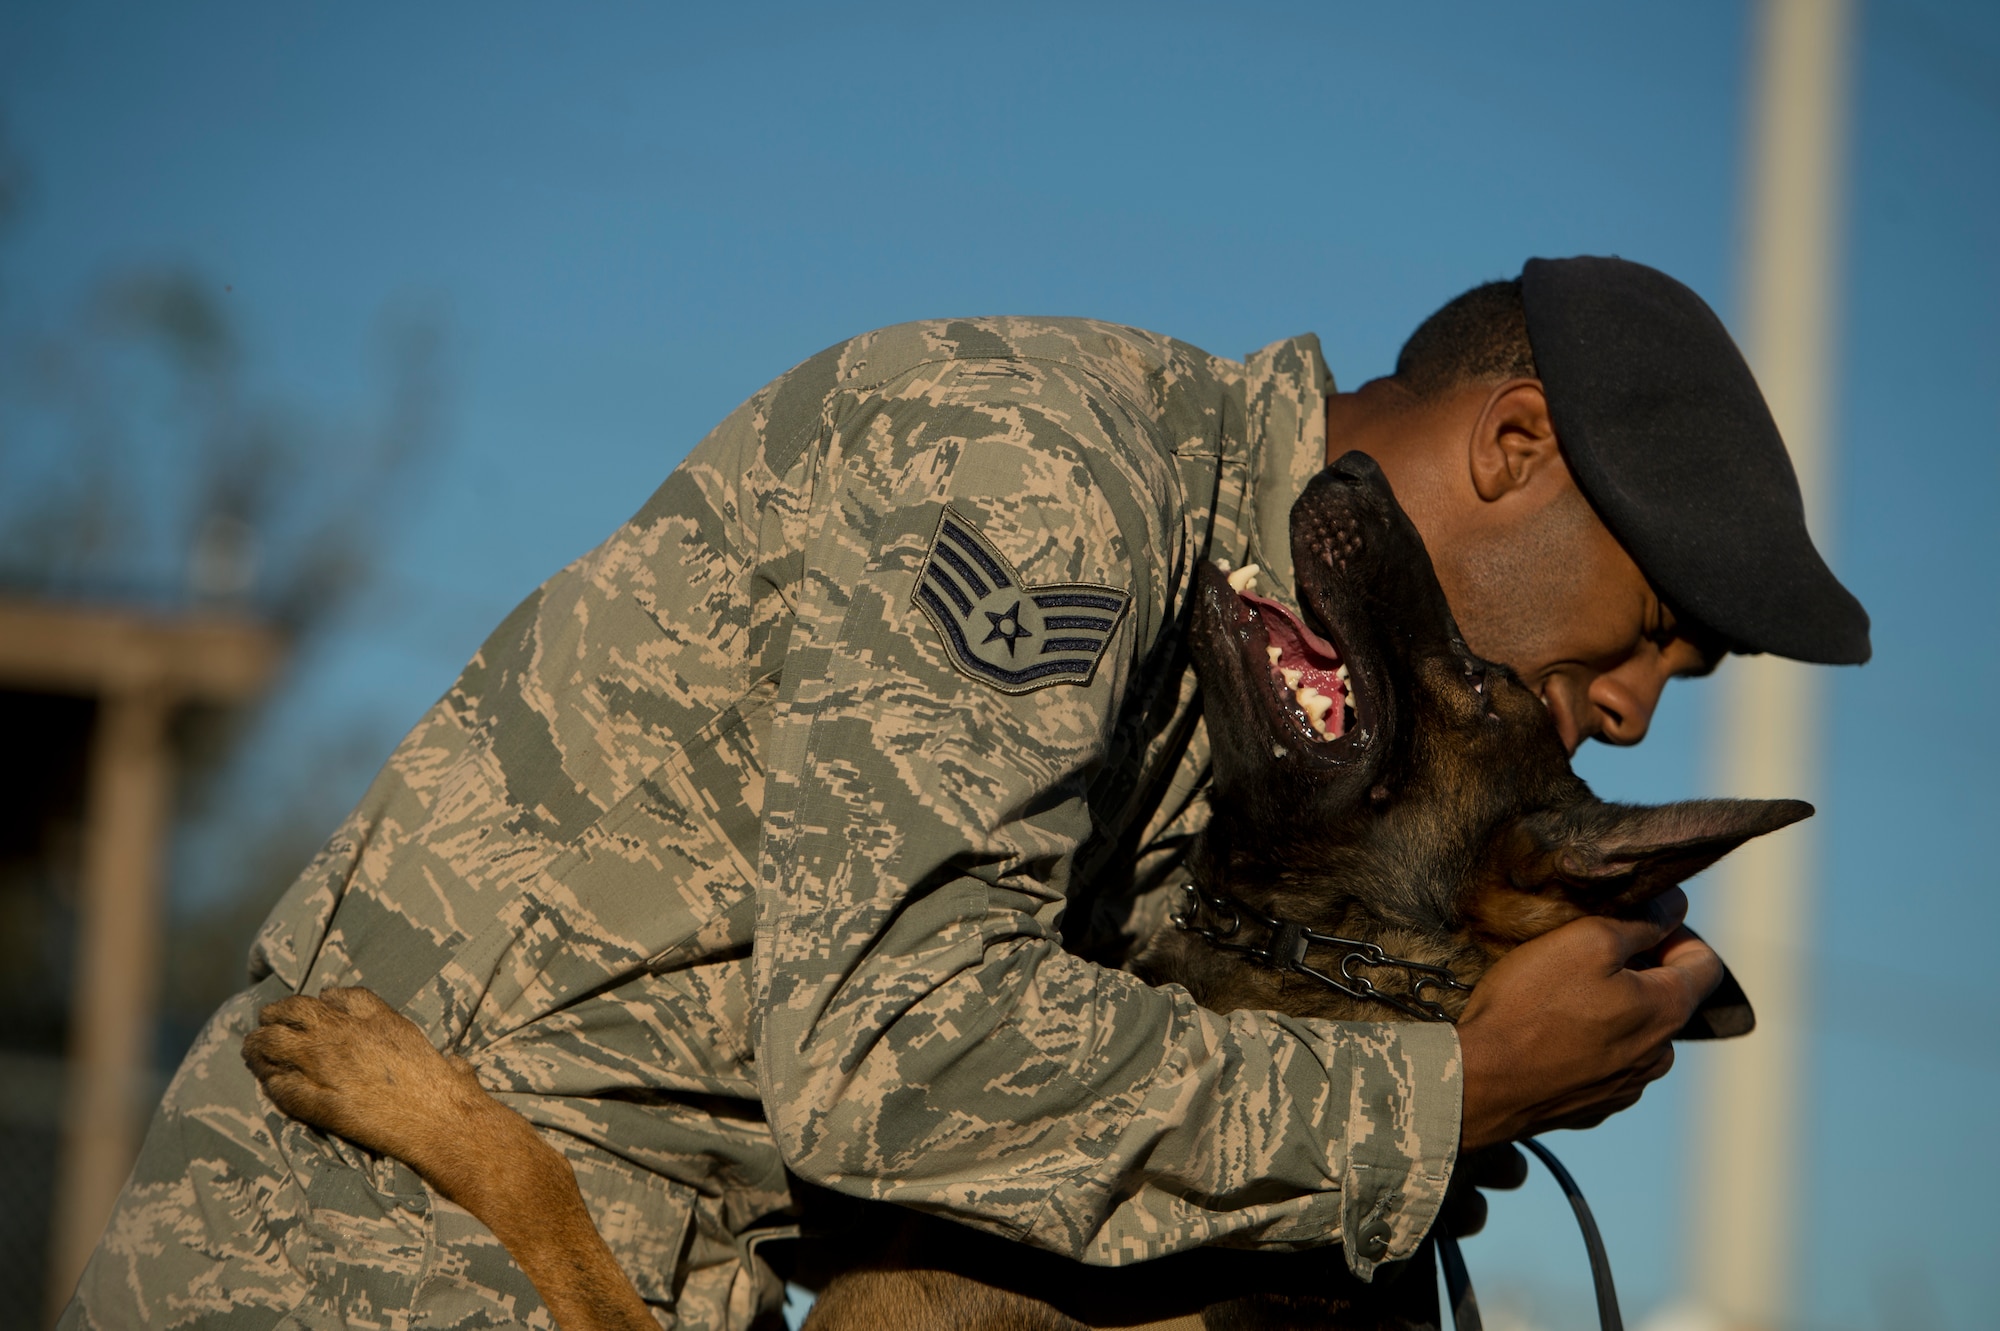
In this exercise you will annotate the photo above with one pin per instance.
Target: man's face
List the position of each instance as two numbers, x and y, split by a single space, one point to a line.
1533 577
1567 608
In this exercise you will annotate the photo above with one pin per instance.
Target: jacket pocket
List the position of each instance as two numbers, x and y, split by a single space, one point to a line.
647 878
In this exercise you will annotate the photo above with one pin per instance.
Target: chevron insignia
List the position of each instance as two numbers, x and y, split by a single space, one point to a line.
1001 631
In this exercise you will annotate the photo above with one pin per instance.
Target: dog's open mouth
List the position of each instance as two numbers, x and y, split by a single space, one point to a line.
1309 680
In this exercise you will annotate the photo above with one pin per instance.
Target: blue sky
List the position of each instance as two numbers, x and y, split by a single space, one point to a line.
630 217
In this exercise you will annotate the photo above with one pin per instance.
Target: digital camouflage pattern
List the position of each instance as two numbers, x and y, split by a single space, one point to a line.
718 860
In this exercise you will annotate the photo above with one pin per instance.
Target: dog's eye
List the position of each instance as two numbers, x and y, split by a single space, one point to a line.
1480 679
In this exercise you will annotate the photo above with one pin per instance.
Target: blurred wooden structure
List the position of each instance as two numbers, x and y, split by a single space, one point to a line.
140 669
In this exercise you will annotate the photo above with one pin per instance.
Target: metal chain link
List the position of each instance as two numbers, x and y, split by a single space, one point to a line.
1288 942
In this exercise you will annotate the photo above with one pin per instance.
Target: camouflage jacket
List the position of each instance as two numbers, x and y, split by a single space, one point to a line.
752 840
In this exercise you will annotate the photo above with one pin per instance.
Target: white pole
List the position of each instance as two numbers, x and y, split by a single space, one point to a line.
1744 1216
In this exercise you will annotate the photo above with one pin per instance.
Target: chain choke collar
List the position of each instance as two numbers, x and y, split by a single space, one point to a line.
1223 921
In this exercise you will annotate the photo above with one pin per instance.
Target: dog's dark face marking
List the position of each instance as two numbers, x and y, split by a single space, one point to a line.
1432 810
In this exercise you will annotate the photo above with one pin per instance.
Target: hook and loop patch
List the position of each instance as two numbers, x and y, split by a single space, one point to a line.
1003 632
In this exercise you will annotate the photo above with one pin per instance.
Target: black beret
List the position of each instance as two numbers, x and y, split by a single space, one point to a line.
1670 440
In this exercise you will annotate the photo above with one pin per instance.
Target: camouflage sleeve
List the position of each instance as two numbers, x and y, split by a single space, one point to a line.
924 1038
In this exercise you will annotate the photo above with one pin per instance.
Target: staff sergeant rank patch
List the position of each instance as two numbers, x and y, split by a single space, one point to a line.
1001 631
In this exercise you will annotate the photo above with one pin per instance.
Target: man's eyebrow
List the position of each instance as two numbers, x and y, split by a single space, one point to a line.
1711 647
1666 624
1709 661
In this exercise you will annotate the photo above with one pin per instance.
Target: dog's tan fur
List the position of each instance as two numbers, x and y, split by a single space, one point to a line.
348 1063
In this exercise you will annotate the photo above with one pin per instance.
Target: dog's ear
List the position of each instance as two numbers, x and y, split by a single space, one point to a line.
1610 857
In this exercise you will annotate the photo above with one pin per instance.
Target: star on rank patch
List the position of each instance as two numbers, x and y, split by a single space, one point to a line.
1001 631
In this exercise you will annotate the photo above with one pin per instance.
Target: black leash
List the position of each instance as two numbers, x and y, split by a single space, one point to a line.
1458 1285
1458 1282
1593 1242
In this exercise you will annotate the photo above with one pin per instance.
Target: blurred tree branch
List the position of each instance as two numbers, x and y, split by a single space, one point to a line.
143 462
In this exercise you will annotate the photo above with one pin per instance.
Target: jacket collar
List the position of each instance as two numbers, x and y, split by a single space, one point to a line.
1285 390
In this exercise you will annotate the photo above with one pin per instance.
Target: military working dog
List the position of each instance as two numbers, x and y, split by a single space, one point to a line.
1391 814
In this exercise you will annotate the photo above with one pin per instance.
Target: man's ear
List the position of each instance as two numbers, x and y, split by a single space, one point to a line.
1513 440
1612 857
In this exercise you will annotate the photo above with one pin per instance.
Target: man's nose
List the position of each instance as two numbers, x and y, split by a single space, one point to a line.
1621 704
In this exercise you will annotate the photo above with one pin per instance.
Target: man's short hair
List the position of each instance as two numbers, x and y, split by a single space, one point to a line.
1481 336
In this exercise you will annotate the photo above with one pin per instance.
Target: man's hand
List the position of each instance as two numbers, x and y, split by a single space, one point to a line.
1501 1167
1564 1031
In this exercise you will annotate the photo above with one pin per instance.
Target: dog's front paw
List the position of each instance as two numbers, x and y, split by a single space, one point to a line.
348 1063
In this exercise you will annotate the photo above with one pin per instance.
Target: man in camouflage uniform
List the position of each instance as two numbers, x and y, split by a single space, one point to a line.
749 843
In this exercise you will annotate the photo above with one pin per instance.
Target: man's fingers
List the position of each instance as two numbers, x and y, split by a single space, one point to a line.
1659 1067
1502 1167
1464 1213
1669 909
1626 939
1601 1106
1590 1105
1689 971
1683 948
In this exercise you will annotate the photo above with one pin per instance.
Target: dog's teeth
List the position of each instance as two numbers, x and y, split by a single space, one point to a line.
1222 564
1244 579
1341 673
1277 750
1316 705
1274 653
1291 677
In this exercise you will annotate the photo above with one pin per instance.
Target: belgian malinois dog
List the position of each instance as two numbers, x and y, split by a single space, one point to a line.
1391 814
